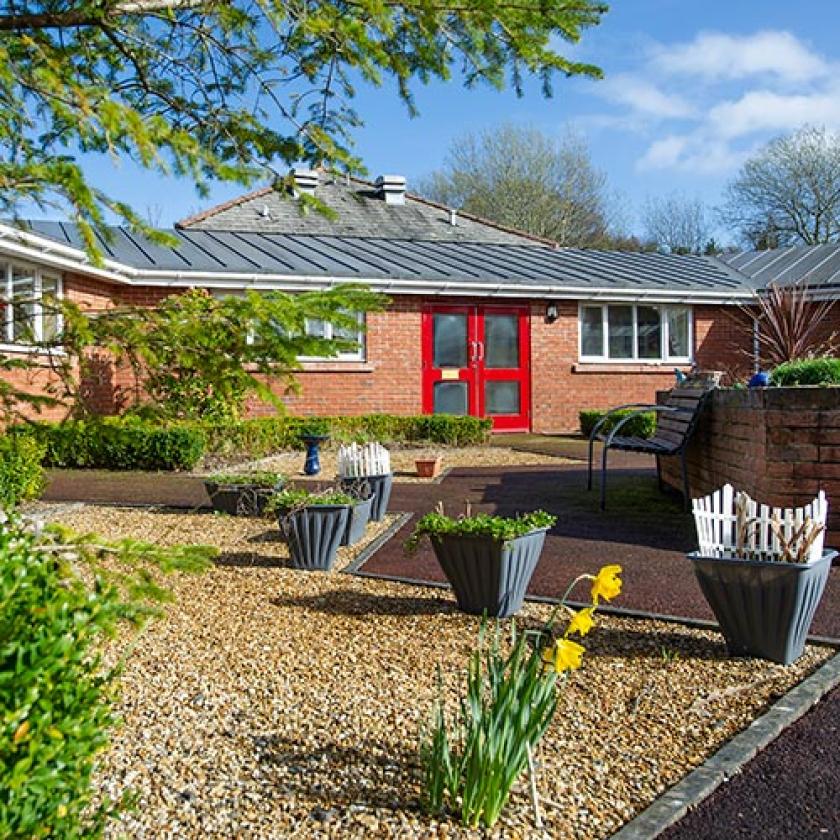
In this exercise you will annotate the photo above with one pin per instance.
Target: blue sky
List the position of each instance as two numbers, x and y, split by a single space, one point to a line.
690 90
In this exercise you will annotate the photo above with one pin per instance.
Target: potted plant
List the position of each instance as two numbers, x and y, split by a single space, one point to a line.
360 511
242 494
488 559
313 525
429 467
312 434
371 463
762 570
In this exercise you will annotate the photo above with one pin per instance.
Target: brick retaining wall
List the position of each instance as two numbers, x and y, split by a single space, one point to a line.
780 445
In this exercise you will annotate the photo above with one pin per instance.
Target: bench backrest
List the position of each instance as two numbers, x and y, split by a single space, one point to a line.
676 428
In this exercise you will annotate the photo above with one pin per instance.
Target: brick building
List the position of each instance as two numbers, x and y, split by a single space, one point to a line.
484 320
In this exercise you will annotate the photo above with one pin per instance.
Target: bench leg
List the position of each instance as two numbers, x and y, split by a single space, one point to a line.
589 473
686 496
604 478
659 473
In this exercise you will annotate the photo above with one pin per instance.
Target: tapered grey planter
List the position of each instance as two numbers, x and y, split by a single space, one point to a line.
380 486
357 521
314 535
487 575
764 608
239 499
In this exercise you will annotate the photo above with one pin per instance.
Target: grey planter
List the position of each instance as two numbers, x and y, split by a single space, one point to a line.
357 521
487 575
314 535
380 486
764 608
239 499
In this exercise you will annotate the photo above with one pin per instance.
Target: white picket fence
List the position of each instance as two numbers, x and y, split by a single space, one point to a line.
731 524
355 461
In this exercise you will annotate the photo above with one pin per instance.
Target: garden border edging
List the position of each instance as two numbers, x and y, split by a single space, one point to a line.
701 782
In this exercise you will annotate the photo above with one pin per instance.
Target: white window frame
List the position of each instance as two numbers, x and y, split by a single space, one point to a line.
7 339
663 309
357 355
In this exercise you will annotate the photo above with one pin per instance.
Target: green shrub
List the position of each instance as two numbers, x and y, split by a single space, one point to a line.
118 444
642 425
263 435
823 371
55 694
21 473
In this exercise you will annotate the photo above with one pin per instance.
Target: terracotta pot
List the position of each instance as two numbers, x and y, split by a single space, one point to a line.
428 467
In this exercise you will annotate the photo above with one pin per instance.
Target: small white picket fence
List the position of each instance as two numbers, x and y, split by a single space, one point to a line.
731 524
355 461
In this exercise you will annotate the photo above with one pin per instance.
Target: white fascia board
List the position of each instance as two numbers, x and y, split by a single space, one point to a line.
33 248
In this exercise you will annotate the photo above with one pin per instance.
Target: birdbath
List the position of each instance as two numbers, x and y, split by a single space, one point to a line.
312 465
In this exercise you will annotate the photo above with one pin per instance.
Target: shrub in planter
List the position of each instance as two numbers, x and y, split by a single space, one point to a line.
471 764
642 425
243 494
488 559
21 473
822 371
313 524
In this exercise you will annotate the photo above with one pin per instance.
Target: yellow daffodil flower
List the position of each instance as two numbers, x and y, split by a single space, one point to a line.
607 584
564 655
581 622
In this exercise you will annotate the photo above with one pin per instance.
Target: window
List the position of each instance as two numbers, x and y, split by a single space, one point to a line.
628 332
29 298
324 329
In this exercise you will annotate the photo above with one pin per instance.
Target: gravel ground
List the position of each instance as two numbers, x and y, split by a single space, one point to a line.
271 703
402 461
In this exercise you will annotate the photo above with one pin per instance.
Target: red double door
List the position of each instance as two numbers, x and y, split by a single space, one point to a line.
476 360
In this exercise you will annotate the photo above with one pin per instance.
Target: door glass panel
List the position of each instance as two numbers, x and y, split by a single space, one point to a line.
450 398
501 397
501 341
620 320
650 332
450 343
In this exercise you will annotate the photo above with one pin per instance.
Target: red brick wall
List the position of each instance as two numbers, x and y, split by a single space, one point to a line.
780 445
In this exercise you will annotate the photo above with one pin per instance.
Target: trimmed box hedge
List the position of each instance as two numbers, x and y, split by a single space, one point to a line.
823 371
117 444
642 425
21 473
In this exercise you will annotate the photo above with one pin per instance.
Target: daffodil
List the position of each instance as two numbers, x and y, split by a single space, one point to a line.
564 655
607 584
581 622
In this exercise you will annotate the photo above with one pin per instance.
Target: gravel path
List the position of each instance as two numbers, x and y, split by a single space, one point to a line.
271 703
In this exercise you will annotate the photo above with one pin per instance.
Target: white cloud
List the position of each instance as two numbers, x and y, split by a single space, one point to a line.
644 96
695 153
716 55
765 110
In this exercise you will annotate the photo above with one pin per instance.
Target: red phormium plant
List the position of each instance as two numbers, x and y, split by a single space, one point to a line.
791 324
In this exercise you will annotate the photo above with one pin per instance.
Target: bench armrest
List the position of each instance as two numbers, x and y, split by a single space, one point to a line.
642 407
655 408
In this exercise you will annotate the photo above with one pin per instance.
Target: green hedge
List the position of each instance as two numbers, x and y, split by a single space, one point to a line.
21 473
643 425
117 444
264 435
824 371
54 694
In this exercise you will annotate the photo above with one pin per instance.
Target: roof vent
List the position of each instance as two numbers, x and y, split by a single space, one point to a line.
453 217
391 188
305 180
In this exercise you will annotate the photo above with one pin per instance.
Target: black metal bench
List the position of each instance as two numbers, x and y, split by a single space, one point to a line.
676 420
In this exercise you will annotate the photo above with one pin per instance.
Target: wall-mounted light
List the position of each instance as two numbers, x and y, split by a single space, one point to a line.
552 313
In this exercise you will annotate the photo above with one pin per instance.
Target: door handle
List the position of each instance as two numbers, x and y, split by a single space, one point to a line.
474 357
480 345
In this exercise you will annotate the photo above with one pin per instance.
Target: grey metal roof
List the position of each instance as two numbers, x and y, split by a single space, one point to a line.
350 258
817 265
358 211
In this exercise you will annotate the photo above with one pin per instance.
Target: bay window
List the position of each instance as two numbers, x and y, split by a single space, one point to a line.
625 332
29 304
